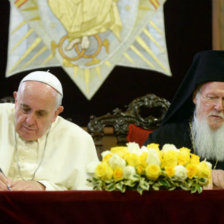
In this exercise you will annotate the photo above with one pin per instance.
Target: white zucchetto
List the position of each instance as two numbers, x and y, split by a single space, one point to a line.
45 77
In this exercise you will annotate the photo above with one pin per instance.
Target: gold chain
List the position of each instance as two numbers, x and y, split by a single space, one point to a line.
38 165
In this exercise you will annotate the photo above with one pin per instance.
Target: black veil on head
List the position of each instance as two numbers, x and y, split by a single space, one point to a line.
206 66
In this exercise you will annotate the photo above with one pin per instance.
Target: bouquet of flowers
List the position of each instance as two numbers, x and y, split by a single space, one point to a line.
148 167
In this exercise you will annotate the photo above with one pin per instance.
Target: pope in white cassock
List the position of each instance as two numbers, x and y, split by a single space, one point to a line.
40 150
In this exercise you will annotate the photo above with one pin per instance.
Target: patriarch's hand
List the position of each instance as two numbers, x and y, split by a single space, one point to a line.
218 179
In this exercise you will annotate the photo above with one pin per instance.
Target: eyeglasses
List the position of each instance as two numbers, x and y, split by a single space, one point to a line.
213 100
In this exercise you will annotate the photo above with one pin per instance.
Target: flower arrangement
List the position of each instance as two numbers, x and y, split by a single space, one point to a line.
148 167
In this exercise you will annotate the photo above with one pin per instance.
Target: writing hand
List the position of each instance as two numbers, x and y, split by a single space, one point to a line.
5 183
27 185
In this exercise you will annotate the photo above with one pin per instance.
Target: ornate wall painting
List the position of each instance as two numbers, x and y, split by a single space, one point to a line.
87 38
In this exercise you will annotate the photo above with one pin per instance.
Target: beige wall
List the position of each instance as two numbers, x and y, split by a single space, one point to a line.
218 24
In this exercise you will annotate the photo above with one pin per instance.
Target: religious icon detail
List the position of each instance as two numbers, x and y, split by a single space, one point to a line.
88 38
83 21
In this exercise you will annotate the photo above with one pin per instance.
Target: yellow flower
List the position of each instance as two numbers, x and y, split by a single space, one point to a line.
153 171
107 157
169 171
142 159
140 169
169 158
191 170
153 146
132 159
183 156
203 170
184 149
118 174
132 166
120 150
104 171
195 159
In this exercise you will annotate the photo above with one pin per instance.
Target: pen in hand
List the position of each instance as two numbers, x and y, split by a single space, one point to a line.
8 186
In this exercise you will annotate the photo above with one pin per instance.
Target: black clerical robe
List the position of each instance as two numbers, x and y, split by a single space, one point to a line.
178 134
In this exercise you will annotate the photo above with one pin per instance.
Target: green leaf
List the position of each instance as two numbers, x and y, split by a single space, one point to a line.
172 188
119 186
111 187
200 189
184 188
141 183
140 190
154 187
129 183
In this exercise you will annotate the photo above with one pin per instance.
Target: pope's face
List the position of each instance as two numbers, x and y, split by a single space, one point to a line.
35 109
210 104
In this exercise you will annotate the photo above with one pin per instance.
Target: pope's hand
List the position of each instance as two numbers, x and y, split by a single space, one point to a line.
5 182
218 179
29 185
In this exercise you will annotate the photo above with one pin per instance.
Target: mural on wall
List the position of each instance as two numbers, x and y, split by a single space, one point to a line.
87 38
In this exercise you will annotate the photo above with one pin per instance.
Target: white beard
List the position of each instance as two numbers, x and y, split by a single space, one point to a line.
209 144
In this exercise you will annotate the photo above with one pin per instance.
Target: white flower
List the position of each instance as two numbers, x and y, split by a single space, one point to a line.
91 167
116 161
104 153
133 147
153 157
129 171
168 147
180 172
144 149
209 165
